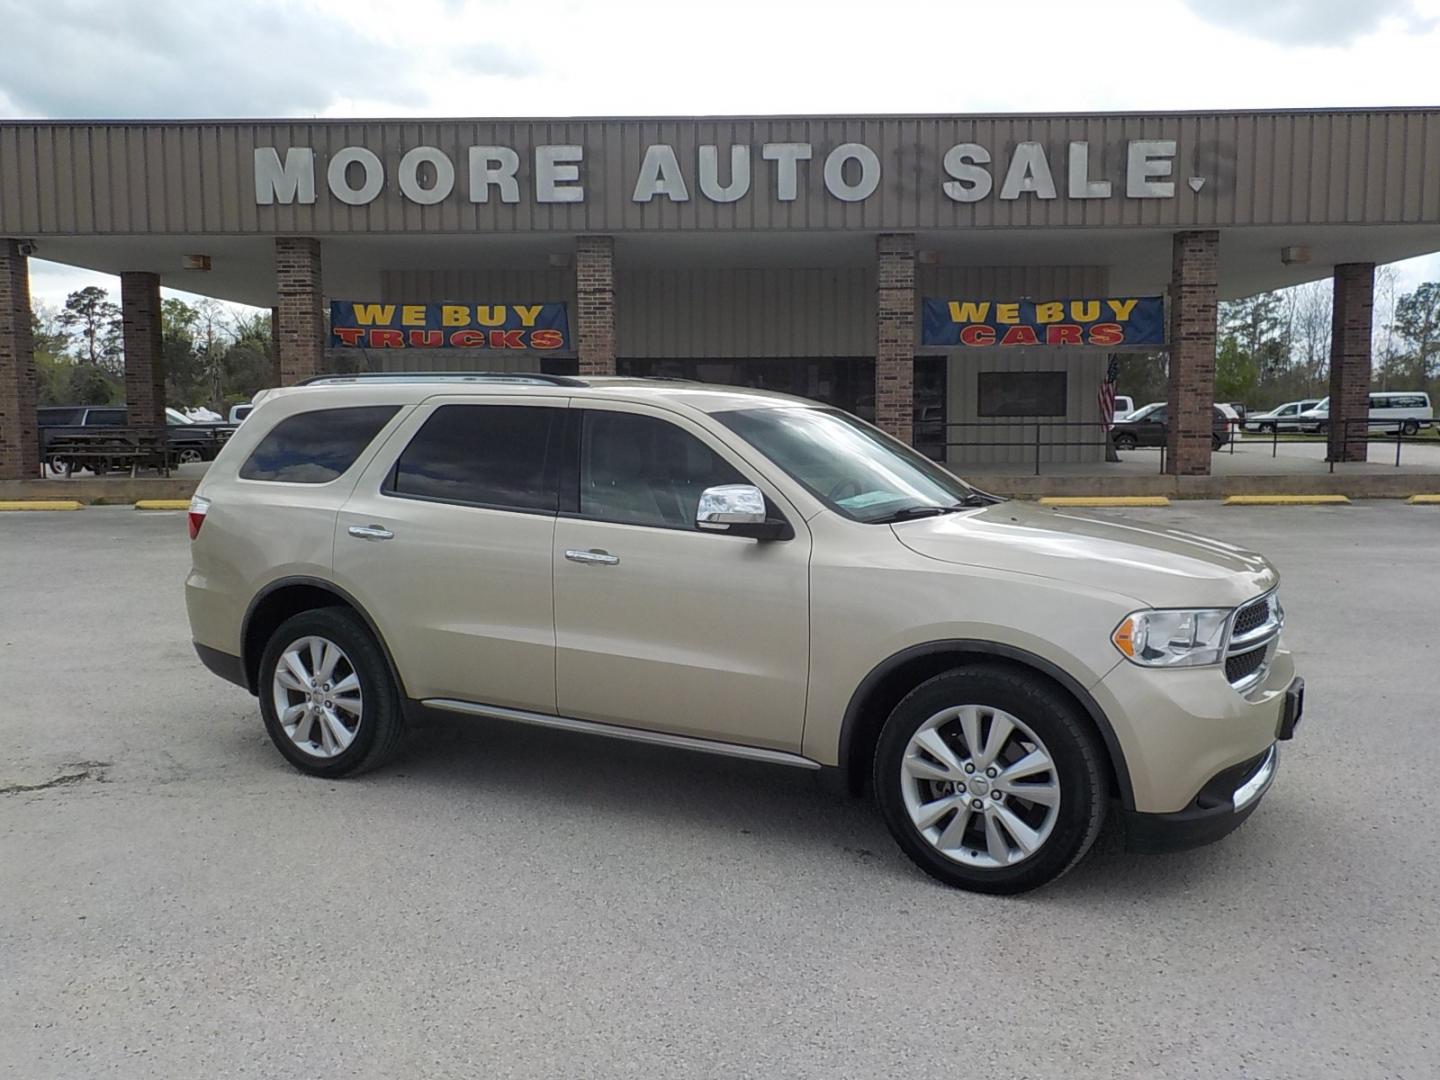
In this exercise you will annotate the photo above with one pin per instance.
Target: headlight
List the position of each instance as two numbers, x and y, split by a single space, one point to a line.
1173 638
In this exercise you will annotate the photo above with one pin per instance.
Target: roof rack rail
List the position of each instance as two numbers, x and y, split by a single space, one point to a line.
524 378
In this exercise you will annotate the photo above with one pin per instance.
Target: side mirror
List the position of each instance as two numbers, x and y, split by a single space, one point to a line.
738 510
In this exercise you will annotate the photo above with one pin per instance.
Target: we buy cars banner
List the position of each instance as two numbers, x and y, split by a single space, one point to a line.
983 324
359 325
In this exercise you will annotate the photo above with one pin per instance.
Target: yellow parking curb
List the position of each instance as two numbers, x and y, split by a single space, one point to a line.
40 504
1105 500
1424 500
162 504
1285 500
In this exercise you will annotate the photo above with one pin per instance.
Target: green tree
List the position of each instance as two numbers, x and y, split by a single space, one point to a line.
1417 323
1260 329
46 332
52 379
52 367
1237 372
184 372
92 385
93 320
248 364
1144 377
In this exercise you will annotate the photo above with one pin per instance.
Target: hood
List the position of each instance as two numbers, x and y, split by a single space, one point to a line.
1159 567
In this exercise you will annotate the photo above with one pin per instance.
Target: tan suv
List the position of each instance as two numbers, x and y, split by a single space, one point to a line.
742 573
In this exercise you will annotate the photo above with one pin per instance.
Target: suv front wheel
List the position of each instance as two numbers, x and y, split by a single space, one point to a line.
990 780
329 701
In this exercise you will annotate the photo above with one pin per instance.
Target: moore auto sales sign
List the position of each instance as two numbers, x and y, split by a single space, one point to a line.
964 172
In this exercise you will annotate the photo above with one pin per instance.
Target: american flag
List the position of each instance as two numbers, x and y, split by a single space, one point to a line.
1107 393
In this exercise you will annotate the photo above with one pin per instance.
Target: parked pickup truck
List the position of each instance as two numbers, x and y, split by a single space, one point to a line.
191 441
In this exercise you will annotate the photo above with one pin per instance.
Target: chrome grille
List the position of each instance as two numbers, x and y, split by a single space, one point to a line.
1254 636
1251 616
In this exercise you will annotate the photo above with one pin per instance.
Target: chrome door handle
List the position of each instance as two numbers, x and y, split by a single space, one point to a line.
593 557
371 532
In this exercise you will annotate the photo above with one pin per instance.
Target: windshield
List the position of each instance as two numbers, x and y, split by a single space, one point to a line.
1145 410
175 416
849 466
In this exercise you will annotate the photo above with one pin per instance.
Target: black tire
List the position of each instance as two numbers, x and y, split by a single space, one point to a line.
1410 427
1216 441
1322 428
1125 441
189 455
1079 765
1267 429
381 727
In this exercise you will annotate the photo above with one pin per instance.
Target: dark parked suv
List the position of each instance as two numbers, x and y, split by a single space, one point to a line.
1147 427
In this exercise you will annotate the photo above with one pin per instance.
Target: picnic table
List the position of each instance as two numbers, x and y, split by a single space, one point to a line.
104 449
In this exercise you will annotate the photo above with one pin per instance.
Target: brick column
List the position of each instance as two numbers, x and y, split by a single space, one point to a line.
274 346
1194 277
19 443
144 359
895 335
1354 302
301 338
595 300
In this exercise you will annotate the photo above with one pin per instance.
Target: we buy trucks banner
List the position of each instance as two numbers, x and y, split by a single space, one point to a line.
983 324
355 325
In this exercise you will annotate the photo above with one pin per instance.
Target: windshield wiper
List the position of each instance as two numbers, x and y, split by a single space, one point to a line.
908 513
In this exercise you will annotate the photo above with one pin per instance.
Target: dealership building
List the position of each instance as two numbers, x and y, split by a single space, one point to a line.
963 281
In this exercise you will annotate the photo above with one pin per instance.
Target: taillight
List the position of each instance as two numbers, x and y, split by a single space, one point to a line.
198 509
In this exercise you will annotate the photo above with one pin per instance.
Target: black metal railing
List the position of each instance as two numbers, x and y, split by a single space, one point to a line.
1038 435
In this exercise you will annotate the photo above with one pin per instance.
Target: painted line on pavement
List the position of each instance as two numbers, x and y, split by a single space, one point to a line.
1286 500
40 504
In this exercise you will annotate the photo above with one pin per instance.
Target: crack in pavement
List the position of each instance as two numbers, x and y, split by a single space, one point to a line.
89 770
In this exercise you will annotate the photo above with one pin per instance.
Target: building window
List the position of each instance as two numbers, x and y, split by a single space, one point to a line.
1022 393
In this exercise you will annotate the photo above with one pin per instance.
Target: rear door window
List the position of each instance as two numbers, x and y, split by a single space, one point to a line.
501 457
315 447
105 418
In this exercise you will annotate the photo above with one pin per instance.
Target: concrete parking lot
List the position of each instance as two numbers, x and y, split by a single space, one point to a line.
176 901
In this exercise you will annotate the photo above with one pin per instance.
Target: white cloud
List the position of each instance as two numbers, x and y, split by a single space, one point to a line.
1313 22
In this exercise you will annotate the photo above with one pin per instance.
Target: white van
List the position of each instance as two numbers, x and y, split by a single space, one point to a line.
1408 409
1124 406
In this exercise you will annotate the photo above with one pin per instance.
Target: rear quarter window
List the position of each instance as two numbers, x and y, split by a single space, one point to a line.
315 447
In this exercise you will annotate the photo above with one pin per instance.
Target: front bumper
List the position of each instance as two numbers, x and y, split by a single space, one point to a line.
1178 728
1224 802
1221 807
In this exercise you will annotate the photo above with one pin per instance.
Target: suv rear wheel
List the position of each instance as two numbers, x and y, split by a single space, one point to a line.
989 780
329 701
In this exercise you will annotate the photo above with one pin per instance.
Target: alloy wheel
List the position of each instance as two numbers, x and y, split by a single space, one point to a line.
317 697
980 786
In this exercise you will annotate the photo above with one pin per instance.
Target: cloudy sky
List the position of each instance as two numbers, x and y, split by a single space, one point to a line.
244 58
